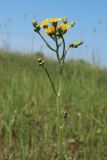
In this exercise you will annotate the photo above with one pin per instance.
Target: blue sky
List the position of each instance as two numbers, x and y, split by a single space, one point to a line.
89 15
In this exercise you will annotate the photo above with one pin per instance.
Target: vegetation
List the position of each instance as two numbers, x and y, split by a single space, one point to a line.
28 110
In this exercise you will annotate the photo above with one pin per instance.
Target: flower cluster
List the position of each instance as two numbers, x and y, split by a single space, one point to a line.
53 26
56 28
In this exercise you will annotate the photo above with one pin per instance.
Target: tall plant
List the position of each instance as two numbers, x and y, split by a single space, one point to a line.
56 29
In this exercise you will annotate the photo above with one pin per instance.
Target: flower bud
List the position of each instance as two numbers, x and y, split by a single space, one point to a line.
36 26
41 62
75 44
64 19
34 23
37 29
72 24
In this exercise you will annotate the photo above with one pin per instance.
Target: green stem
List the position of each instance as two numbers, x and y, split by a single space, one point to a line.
57 46
58 122
50 80
63 54
46 42
60 80
66 52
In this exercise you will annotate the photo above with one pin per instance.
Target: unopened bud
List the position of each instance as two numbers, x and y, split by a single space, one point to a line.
64 19
75 44
72 24
41 62
37 29
34 24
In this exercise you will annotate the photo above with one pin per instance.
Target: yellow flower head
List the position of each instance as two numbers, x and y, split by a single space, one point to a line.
44 24
54 21
62 28
50 30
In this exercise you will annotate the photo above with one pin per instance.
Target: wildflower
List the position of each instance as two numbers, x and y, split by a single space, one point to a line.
50 30
62 28
75 44
44 24
54 21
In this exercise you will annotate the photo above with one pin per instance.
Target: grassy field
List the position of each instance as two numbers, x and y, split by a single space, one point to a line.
28 110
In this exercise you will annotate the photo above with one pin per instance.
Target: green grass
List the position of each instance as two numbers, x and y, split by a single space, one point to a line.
28 110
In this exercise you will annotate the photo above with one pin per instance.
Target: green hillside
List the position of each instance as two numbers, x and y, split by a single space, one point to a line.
28 110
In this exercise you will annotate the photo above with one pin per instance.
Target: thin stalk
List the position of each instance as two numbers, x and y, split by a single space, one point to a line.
57 46
63 54
58 119
46 42
58 123
66 52
60 80
50 80
63 58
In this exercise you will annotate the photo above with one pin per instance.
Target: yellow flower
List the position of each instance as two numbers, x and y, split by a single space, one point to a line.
44 24
50 30
54 21
62 28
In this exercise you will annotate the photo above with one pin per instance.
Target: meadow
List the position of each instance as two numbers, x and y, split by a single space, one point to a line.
28 110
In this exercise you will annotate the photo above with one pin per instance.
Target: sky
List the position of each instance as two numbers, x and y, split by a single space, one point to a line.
16 30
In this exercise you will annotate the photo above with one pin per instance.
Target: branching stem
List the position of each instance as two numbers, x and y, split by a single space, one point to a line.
50 80
46 42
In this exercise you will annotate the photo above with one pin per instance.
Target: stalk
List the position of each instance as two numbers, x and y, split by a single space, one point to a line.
46 42
50 80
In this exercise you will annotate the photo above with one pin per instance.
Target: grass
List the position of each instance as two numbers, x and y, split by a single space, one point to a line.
28 110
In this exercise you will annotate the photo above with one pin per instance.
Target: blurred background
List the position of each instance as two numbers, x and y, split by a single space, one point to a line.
16 30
